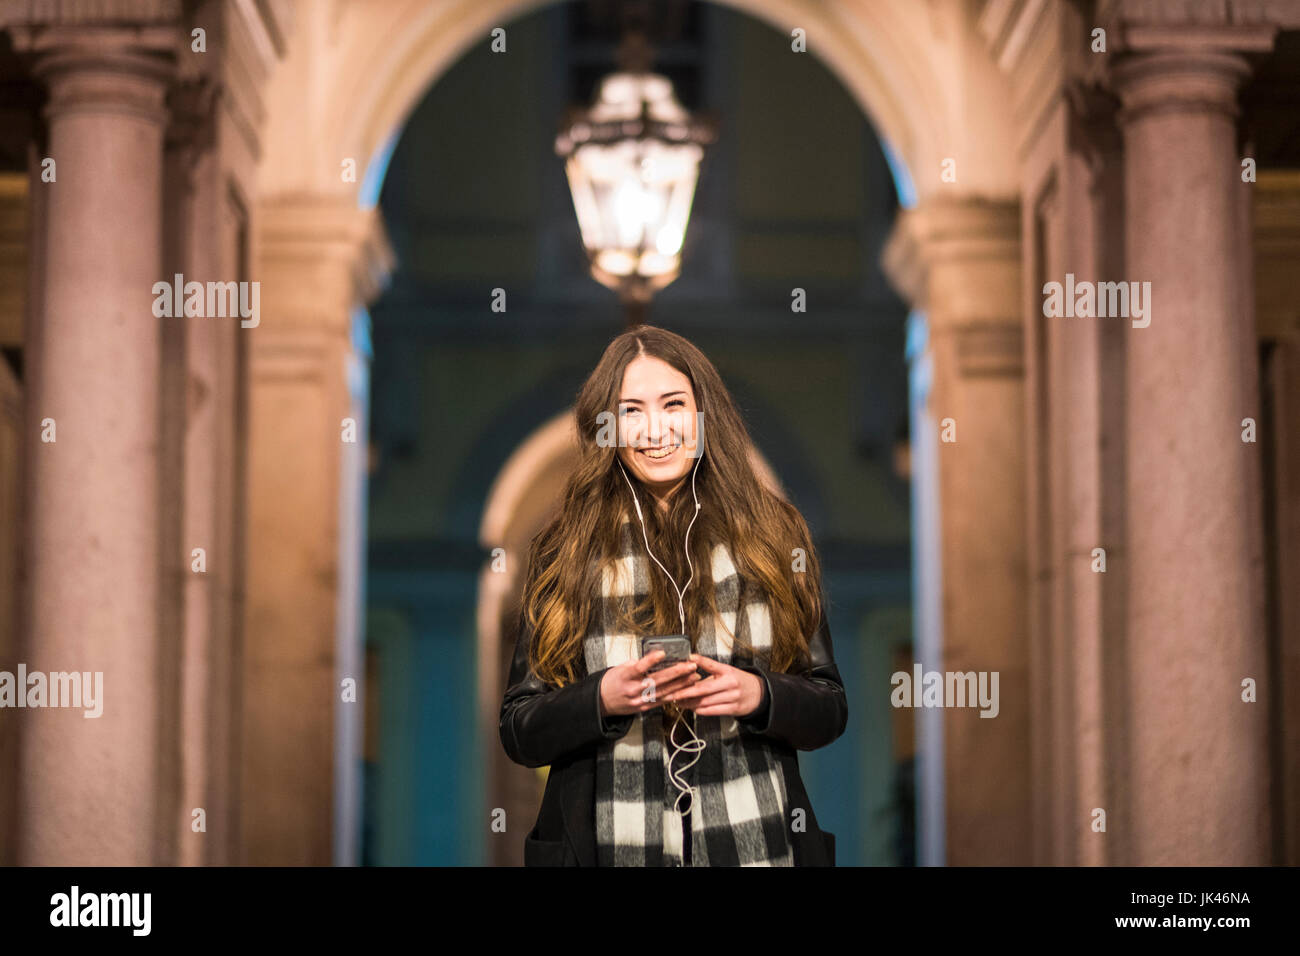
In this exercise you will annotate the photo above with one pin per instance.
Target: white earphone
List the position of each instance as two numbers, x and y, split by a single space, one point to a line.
695 744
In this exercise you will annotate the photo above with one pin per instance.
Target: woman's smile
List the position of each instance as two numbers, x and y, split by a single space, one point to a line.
659 454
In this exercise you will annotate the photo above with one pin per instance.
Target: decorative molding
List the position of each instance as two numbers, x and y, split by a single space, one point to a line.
944 229
255 35
103 69
1180 81
192 107
1216 13
292 355
247 38
989 349
88 12
1091 126
303 232
1237 25
245 41
1141 37
1027 40
1008 25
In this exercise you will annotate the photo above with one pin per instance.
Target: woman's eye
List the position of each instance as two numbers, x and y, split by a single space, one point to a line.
678 402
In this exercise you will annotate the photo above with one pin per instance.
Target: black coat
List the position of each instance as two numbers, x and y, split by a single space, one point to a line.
562 727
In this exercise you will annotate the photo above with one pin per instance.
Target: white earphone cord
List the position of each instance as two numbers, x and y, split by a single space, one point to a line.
695 744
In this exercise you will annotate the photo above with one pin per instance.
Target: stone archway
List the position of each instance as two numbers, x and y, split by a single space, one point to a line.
920 73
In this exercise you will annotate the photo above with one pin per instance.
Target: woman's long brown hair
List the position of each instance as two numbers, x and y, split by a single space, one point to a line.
761 529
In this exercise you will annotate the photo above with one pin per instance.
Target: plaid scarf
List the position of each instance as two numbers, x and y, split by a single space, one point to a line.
738 809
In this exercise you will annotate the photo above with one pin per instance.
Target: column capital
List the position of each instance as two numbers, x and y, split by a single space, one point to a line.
947 229
1181 56
101 68
319 256
297 234
1178 80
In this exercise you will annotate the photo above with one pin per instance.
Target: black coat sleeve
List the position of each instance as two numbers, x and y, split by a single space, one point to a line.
806 710
541 723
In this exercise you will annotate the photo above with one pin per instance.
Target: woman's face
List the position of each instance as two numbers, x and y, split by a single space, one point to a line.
657 424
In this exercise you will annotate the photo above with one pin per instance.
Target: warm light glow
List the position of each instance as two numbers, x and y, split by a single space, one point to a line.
633 162
669 241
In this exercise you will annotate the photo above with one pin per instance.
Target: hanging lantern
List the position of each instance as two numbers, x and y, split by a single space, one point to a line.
632 162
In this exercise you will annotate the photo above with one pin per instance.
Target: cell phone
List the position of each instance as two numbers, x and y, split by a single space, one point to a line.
676 648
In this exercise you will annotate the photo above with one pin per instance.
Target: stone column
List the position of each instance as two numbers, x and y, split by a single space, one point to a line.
1072 223
191 427
318 258
88 785
1198 775
959 260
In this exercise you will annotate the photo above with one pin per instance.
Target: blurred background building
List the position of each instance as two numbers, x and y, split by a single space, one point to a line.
295 549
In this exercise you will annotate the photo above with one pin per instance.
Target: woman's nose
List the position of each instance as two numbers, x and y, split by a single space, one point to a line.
635 435
652 432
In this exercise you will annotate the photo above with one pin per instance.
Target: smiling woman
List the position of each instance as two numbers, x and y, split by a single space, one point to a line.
761 682
657 414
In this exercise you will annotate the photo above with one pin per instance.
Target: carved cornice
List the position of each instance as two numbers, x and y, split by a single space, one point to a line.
1134 26
1212 13
1156 46
88 12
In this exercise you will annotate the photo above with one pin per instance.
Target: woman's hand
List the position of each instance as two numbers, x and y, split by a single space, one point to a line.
631 689
727 691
